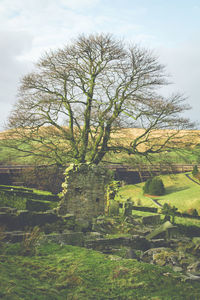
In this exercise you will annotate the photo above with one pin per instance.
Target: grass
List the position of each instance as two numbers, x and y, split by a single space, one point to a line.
39 192
180 192
124 136
67 272
16 196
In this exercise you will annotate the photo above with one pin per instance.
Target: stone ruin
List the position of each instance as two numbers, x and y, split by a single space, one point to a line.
84 191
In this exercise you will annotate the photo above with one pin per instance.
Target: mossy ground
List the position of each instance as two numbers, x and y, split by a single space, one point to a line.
67 272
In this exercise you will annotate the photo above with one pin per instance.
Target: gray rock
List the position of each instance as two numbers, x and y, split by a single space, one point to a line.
194 268
177 269
67 238
190 278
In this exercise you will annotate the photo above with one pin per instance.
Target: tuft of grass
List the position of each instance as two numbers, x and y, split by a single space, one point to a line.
30 242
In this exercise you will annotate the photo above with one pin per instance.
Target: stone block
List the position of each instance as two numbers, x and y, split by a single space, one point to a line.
151 220
67 238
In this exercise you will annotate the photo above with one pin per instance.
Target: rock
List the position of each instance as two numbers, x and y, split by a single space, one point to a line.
156 255
157 243
177 269
82 225
8 210
194 268
15 236
113 208
139 243
191 278
68 217
166 230
151 220
67 238
93 235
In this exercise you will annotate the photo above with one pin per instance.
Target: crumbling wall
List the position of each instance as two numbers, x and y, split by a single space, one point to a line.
84 191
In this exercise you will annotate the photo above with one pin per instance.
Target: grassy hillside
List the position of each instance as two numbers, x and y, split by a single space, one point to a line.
180 192
124 136
67 272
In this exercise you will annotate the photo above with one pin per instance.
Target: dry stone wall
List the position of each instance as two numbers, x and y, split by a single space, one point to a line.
84 191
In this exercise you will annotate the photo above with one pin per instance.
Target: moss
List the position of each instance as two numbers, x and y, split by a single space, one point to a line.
67 272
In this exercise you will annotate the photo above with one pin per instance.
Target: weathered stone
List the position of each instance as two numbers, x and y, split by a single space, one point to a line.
166 230
8 209
15 236
128 207
139 243
194 268
156 243
135 242
67 238
84 191
68 217
191 278
113 208
27 218
151 220
93 235
82 225
177 269
149 255
9 220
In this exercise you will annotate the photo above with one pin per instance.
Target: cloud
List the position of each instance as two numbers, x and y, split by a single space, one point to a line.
29 28
79 4
182 63
12 45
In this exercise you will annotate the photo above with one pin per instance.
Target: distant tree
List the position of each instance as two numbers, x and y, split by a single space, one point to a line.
154 186
94 86
195 170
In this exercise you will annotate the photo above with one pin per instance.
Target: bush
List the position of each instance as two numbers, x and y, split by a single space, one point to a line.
154 186
193 212
169 212
195 170
146 186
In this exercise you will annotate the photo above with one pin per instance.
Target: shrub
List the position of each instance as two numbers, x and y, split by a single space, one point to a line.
113 208
146 186
154 186
195 170
169 212
139 202
193 212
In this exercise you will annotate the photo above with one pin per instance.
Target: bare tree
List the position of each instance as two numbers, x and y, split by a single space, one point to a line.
94 86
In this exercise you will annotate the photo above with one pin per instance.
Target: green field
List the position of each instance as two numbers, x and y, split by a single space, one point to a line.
67 272
181 192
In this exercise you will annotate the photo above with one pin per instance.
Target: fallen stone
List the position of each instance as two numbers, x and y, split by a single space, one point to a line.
67 238
8 209
194 268
190 278
151 220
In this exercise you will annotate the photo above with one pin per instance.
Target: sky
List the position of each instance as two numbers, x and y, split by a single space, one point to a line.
171 29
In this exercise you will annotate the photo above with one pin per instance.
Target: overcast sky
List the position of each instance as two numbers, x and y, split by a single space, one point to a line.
169 27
